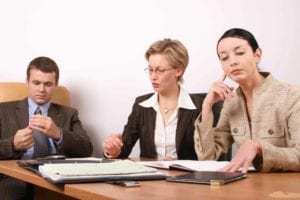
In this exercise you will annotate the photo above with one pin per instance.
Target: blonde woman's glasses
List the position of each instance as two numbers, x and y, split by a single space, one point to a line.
158 71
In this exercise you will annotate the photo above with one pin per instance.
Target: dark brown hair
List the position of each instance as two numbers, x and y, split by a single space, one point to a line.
44 64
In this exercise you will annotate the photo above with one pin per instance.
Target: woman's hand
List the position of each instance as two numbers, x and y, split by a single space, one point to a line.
218 91
244 157
112 145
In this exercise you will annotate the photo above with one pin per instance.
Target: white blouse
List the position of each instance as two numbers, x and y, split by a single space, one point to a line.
165 134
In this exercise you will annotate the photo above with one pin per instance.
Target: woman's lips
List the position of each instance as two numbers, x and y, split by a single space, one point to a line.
236 72
155 85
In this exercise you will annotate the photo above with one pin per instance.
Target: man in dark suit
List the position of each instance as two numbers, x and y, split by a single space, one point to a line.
34 127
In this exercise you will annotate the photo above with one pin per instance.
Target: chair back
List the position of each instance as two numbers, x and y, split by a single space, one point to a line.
217 108
11 91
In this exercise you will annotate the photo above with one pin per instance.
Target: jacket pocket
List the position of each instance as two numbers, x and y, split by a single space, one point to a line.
238 130
272 132
274 135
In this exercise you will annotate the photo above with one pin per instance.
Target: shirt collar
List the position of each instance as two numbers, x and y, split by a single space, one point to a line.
32 107
184 101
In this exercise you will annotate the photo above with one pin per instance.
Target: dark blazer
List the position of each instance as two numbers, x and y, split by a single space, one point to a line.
14 116
141 125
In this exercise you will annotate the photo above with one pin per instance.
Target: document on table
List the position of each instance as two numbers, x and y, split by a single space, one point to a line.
91 172
188 165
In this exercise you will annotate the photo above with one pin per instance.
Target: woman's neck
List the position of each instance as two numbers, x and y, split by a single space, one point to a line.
248 86
168 100
247 89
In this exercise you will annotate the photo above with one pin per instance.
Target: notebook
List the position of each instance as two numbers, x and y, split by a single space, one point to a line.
98 172
33 165
208 177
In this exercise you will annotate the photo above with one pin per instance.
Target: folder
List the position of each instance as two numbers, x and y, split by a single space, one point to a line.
208 177
33 165
72 171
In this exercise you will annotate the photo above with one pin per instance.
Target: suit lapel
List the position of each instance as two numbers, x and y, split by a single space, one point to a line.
151 126
55 115
22 113
184 118
23 116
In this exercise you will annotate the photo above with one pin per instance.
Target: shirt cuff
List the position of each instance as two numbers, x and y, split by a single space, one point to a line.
58 142
106 155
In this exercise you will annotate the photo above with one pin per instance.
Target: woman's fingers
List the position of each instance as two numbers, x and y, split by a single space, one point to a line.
222 78
113 142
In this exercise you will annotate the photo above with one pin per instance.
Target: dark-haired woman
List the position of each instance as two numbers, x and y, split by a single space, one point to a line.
262 116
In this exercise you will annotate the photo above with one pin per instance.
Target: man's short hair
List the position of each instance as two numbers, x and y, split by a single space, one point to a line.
44 64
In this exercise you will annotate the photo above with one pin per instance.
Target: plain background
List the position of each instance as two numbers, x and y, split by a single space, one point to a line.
99 46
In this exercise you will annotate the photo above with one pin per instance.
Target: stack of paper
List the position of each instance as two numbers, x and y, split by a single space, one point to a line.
90 172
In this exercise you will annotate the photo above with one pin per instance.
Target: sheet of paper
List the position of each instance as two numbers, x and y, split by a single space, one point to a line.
86 158
193 165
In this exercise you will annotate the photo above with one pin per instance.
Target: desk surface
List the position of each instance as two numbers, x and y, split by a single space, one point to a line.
255 186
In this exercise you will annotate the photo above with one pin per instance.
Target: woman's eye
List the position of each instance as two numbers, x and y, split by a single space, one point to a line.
240 53
224 58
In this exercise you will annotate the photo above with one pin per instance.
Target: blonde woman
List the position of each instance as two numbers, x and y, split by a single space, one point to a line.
163 121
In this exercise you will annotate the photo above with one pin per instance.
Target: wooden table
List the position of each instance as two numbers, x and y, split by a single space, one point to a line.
255 186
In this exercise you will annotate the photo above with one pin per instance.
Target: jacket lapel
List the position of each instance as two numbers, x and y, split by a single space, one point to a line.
151 127
22 113
184 118
55 115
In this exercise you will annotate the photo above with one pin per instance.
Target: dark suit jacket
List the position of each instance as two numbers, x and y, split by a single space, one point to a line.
141 125
14 116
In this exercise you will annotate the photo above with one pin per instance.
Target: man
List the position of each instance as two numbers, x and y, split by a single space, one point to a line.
34 127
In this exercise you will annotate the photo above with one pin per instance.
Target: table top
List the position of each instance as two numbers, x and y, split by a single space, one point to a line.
255 186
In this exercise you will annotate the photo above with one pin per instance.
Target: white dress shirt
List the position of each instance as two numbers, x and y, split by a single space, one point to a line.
165 134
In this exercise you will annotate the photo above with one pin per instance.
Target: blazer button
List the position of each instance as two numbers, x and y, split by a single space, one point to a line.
270 132
235 130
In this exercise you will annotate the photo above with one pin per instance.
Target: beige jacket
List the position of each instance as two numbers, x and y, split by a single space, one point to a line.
275 123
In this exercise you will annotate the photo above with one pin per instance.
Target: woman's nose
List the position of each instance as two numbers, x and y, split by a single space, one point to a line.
233 61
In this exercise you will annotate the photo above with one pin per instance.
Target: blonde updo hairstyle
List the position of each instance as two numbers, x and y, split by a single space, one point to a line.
175 52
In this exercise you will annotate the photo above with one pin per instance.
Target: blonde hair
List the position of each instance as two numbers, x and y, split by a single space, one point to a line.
175 51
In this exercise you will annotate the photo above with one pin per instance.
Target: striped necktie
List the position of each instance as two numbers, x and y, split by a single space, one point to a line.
41 142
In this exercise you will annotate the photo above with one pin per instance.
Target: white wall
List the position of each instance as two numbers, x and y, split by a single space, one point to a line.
100 45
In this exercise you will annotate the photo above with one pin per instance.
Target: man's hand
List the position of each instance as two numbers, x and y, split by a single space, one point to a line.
45 125
23 139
